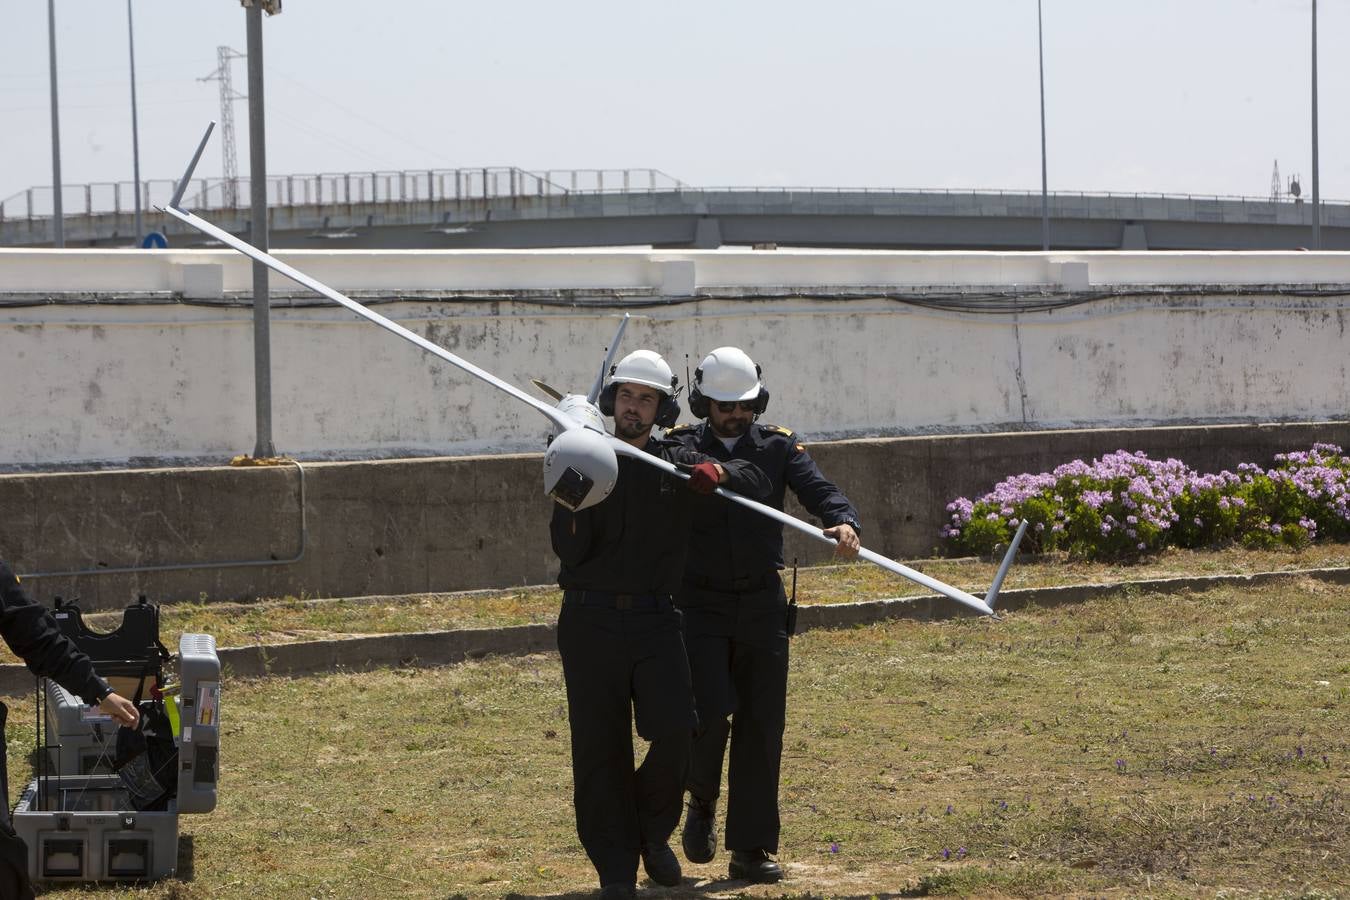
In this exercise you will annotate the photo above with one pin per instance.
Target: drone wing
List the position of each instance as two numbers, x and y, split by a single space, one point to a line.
609 358
559 419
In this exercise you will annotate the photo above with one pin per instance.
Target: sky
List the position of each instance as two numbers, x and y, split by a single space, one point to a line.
1175 96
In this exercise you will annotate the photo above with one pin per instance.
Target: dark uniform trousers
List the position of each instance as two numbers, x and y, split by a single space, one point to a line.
736 625
738 654
622 665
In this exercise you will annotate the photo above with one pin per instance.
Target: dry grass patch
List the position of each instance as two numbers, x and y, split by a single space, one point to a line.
297 619
1169 746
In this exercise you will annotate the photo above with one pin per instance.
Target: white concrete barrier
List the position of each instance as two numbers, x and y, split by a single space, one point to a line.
115 355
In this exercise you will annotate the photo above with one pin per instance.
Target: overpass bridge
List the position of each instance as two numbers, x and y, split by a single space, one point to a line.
506 207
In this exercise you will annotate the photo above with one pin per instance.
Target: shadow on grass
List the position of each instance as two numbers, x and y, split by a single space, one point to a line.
693 888
186 858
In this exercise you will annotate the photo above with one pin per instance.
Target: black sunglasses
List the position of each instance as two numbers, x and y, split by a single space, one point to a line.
728 406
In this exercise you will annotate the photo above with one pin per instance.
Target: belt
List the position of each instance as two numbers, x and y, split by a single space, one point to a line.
734 585
611 600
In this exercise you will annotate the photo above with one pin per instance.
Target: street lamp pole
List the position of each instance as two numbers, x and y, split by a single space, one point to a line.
58 222
1317 196
135 129
1045 185
257 177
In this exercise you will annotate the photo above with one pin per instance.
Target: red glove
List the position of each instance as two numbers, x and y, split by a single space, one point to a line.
703 478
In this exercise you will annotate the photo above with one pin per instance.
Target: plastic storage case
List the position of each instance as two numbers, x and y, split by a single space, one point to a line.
82 828
81 740
78 823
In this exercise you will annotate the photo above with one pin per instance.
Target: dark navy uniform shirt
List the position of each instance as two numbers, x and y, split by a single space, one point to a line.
35 638
634 541
731 542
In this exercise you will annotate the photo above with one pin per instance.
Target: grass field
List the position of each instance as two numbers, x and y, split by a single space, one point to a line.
294 619
1141 745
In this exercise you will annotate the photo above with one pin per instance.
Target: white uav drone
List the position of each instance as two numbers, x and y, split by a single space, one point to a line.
581 464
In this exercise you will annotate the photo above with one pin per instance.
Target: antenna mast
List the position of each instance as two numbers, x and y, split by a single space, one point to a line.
1276 188
227 97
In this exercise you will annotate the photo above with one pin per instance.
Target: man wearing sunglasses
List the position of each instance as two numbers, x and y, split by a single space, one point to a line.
736 615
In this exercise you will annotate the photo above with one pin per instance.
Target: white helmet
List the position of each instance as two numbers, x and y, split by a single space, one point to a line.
727 374
644 367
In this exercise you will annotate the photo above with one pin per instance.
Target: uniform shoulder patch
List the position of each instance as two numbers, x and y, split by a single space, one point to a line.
778 429
681 429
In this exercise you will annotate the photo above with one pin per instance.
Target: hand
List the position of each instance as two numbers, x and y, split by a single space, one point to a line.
705 477
848 545
122 710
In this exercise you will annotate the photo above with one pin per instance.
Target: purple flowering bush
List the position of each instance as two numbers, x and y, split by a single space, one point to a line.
1125 504
1307 494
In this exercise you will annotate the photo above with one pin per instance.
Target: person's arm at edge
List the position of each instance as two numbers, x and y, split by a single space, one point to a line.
33 635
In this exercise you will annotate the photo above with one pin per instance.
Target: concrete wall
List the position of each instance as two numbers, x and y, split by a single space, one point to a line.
126 356
410 526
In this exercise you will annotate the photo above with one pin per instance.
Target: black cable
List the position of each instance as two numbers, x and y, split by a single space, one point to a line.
972 302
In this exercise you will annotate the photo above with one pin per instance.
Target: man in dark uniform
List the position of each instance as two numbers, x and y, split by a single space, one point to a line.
33 635
620 638
735 614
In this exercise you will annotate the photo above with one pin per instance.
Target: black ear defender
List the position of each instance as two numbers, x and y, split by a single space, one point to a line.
606 399
762 400
668 410
698 404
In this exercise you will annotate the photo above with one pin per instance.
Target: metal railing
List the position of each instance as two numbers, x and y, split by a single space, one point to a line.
406 186
496 183
1010 194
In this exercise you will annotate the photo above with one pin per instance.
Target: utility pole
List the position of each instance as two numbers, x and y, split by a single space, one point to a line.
1316 197
135 129
58 221
230 168
1045 184
257 175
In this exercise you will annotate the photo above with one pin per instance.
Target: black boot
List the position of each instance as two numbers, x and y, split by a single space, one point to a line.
700 830
618 891
661 865
754 865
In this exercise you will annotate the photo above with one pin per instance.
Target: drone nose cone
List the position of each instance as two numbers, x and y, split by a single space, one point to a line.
580 468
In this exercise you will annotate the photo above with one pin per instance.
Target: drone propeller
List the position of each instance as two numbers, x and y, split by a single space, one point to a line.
545 388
